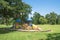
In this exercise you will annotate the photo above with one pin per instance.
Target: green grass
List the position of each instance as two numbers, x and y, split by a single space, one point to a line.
16 35
53 28
4 26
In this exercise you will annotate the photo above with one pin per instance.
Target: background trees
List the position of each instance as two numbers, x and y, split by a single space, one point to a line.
58 19
51 18
43 20
36 18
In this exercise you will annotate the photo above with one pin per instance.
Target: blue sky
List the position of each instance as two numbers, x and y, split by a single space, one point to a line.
44 6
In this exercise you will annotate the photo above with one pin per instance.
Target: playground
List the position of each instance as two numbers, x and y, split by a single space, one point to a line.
25 26
17 35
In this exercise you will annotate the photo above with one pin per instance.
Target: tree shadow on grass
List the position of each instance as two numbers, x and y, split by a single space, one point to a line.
55 36
6 30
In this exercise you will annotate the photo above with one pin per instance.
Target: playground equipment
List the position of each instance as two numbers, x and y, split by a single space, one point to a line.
17 23
28 26
33 27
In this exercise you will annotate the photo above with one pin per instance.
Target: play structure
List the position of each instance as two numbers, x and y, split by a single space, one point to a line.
26 26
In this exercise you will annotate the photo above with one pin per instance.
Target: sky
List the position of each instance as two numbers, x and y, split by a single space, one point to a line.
44 6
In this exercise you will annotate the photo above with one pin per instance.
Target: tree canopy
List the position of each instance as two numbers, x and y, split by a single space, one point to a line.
51 18
14 8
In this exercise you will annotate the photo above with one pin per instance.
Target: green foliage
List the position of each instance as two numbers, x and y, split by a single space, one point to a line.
36 18
51 18
58 19
13 8
42 20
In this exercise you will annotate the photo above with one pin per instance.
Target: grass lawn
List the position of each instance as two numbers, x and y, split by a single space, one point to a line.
16 35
